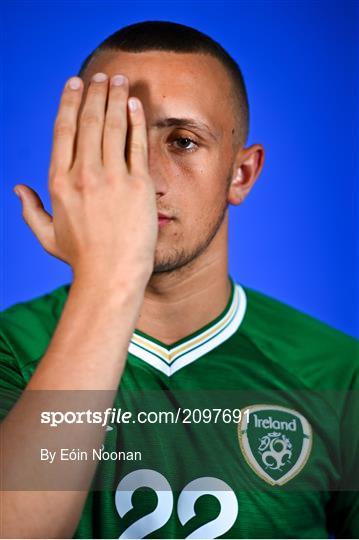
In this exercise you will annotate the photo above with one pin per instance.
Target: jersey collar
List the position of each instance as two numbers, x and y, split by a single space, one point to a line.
170 358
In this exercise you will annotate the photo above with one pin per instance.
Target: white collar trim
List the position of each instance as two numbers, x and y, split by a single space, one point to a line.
170 360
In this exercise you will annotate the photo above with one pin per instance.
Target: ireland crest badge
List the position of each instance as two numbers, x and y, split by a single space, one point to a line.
275 441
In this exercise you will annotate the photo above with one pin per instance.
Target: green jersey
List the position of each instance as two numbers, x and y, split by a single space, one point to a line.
243 429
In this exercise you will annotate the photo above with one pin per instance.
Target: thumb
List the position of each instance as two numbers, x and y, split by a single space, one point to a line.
36 217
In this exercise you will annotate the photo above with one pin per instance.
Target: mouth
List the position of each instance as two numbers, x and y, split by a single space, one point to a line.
163 219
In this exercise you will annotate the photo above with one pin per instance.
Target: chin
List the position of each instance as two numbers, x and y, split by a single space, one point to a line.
169 260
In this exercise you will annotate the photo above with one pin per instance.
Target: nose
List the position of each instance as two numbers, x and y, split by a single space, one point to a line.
157 170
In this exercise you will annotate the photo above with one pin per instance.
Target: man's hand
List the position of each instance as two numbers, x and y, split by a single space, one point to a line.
105 226
104 208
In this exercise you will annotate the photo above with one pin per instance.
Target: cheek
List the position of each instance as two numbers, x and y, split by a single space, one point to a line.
203 201
198 189
210 189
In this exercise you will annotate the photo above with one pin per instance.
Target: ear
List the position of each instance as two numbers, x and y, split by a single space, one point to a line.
247 167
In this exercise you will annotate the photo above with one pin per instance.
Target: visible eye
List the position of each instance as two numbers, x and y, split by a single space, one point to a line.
186 144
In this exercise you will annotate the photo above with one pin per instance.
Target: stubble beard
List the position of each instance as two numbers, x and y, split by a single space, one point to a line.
179 258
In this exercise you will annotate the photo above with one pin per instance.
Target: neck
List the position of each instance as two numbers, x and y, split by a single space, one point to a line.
178 303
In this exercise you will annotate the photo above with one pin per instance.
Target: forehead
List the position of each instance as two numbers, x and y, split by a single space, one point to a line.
175 84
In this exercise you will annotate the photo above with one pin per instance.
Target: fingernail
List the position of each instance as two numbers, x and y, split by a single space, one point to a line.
118 80
99 77
133 104
16 192
74 83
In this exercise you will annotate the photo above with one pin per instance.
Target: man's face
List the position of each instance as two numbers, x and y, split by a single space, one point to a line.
190 163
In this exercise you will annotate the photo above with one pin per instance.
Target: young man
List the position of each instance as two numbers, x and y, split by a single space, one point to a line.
254 444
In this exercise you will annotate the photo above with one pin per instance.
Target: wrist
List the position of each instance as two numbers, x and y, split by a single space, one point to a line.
111 282
116 303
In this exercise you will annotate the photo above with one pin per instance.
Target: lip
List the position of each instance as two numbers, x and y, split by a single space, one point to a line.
163 220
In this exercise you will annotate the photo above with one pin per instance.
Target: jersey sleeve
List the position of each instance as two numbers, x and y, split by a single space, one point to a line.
344 515
12 382
344 506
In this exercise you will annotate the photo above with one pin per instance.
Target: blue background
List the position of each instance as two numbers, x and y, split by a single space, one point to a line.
295 237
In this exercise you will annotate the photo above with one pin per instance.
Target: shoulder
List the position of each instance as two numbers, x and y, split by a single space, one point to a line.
28 325
300 342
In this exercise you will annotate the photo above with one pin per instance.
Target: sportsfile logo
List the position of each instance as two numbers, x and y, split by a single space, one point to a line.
275 441
110 415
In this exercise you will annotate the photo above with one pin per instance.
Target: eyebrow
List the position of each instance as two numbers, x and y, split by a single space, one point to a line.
184 122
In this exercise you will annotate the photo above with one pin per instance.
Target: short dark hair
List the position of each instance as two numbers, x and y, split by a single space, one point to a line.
174 37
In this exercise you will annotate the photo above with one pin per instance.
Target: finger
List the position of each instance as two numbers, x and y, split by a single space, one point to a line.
137 138
115 129
65 127
90 130
36 217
